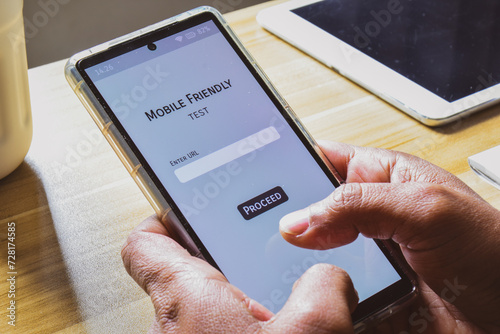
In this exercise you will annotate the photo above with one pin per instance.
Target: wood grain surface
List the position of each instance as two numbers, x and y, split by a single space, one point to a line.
73 203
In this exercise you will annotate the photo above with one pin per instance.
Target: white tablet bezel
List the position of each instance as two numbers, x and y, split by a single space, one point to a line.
384 82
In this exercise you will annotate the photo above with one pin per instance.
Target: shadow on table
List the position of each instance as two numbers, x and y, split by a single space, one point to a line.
470 121
45 300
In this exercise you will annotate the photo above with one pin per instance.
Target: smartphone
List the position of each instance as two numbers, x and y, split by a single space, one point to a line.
221 156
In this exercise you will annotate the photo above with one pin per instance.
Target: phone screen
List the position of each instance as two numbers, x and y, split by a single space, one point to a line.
231 161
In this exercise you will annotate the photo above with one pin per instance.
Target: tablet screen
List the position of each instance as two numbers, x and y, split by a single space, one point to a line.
450 47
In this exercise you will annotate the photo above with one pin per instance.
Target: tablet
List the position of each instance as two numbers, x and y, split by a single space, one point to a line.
438 61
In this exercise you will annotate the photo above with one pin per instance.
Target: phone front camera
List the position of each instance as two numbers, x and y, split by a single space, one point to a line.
152 46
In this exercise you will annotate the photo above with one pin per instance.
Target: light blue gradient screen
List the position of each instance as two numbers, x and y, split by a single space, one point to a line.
193 99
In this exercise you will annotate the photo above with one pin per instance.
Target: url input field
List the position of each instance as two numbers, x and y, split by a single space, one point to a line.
227 154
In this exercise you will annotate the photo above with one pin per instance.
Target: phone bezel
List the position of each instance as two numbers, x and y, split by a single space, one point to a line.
374 307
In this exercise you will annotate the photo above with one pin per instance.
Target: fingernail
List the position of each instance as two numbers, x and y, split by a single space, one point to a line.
295 223
260 312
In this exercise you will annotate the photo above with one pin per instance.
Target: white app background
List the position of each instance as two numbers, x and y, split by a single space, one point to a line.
251 253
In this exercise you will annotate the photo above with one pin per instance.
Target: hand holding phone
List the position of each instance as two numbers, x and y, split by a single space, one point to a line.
447 233
453 271
222 158
191 296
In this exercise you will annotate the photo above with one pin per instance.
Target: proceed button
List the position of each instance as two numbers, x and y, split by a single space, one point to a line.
262 203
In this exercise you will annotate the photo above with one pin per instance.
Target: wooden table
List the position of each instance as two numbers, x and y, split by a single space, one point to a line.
73 203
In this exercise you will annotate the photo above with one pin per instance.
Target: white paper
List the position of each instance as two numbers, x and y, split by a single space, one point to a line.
487 165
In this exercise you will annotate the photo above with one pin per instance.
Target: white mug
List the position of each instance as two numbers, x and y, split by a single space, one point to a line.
15 110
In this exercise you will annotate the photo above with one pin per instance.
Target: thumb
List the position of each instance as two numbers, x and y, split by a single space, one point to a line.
418 216
443 233
322 301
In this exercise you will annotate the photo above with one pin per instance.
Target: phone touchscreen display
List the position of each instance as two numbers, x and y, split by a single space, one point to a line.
228 158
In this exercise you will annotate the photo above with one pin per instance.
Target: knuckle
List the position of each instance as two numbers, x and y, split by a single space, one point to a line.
348 195
169 292
329 275
437 200
167 312
167 277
